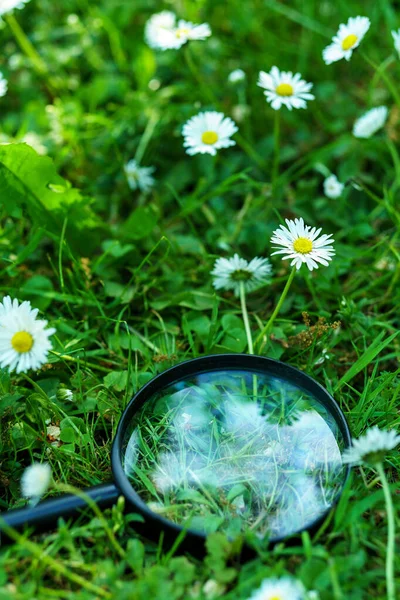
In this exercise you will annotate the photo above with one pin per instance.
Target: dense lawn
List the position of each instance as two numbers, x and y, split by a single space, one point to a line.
125 277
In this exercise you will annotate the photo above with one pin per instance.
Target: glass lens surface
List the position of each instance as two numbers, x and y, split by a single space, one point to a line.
235 451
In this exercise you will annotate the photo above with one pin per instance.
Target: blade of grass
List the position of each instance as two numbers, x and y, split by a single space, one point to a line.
369 355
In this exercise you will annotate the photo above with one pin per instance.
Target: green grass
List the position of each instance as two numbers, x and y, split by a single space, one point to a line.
125 278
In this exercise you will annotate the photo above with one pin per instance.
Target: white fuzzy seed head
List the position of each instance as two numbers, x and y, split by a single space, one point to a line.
370 122
332 187
35 480
237 76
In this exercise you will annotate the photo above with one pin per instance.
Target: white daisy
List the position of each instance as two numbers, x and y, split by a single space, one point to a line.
372 447
396 39
370 122
228 273
282 87
3 85
236 76
332 187
139 177
24 342
162 32
158 30
187 31
302 244
35 481
207 132
283 588
346 40
8 5
7 305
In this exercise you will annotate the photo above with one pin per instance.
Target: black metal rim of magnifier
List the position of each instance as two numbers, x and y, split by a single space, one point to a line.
155 523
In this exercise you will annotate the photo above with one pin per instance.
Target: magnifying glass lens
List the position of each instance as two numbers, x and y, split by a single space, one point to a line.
235 451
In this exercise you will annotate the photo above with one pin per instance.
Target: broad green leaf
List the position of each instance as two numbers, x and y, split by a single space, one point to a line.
235 340
7 401
198 323
68 435
117 380
36 288
140 223
31 182
230 321
26 177
117 290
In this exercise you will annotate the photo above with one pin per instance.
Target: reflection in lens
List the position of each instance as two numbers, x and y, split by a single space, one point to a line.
235 451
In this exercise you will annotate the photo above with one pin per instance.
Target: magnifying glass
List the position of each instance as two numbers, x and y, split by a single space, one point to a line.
234 442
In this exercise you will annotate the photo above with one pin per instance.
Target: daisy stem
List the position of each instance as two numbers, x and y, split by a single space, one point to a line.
146 137
275 165
248 332
391 591
208 213
26 45
208 95
246 318
272 318
380 71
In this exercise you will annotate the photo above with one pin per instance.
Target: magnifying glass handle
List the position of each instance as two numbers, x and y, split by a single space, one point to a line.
44 515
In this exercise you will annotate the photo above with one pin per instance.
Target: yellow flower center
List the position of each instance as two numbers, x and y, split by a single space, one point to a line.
284 89
302 245
349 41
209 137
22 341
181 32
276 598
